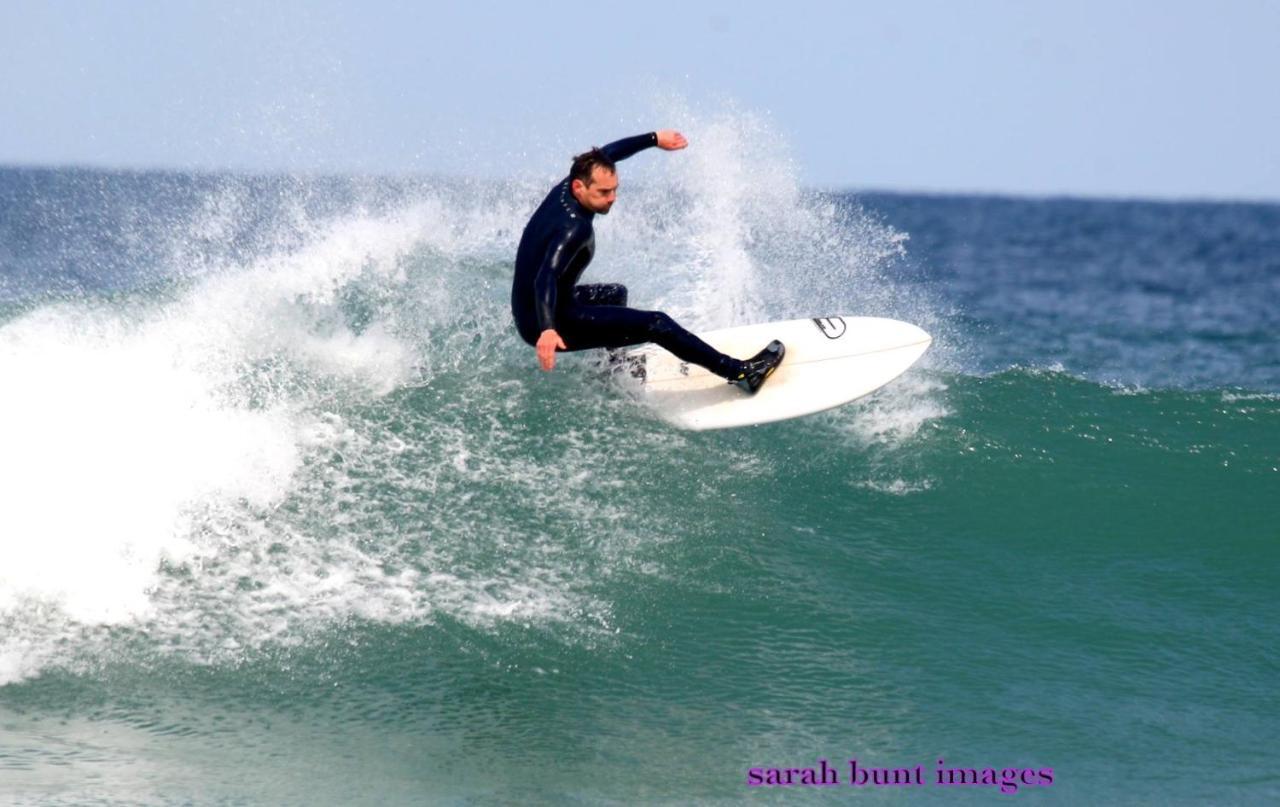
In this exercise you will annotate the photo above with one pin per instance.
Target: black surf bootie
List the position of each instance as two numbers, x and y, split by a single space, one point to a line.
757 369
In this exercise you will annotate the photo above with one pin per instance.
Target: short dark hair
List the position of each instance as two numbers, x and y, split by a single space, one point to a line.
586 162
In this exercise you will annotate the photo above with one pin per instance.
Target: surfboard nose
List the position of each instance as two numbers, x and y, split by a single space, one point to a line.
899 332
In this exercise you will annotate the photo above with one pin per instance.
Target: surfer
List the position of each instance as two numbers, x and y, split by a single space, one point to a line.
553 313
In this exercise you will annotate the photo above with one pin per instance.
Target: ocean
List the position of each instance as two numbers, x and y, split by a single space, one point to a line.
289 516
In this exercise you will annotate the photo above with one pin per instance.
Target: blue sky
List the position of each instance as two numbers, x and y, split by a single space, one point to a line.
1164 99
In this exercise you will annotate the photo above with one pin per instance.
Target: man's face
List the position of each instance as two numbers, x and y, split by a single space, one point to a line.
600 195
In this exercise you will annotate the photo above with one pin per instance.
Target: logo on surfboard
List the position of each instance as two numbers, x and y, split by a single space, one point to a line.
831 327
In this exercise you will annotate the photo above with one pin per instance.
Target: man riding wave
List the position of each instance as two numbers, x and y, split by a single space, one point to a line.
553 313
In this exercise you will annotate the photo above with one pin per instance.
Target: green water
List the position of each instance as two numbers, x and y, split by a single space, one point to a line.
1054 574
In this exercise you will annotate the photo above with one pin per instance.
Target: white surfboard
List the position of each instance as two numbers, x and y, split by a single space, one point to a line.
829 361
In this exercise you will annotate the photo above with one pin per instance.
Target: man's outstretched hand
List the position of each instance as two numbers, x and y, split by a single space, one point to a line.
671 140
547 344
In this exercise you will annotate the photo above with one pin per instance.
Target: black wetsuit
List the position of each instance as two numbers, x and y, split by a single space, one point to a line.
556 247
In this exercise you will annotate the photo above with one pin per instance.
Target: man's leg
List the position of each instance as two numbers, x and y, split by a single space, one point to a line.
599 318
600 294
595 325
603 294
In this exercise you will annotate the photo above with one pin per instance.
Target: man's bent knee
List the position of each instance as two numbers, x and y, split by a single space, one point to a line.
660 323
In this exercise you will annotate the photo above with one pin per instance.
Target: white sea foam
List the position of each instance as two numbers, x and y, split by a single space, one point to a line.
723 234
150 447
124 427
896 414
895 487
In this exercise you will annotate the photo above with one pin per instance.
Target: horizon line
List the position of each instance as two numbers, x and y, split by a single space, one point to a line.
851 189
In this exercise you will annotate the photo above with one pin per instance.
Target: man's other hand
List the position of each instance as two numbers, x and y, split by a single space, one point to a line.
547 344
671 140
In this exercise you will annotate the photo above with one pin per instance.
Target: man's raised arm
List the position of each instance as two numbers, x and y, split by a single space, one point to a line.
666 139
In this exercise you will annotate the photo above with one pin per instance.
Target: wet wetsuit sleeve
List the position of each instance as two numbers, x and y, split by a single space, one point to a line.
559 257
624 148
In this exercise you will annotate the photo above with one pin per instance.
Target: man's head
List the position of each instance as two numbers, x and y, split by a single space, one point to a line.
593 179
